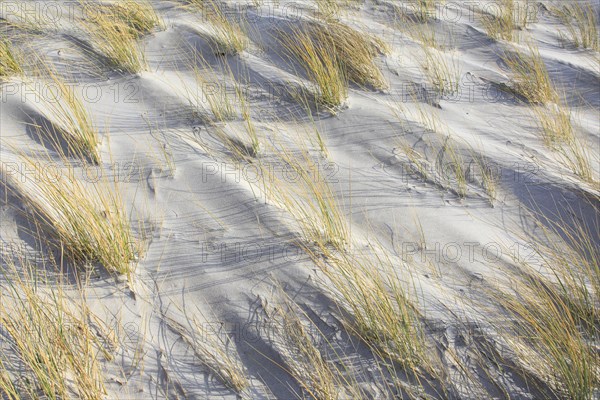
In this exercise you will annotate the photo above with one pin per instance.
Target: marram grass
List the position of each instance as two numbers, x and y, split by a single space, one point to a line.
86 219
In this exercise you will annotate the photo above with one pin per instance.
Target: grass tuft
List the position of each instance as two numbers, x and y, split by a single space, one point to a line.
454 171
543 333
116 39
532 82
87 219
559 134
552 320
377 305
213 348
139 16
322 66
444 75
582 24
57 352
298 340
332 55
70 115
530 76
310 199
9 60
216 94
501 25
488 175
328 9
554 123
229 38
568 249
417 11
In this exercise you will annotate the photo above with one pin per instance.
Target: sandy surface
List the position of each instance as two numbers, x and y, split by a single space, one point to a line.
214 244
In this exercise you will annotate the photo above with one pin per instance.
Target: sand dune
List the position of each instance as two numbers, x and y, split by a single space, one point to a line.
328 199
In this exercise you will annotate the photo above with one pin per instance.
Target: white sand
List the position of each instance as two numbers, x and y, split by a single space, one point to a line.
215 245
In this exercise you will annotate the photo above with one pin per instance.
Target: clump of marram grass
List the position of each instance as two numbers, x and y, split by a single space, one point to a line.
86 219
554 124
229 37
296 341
487 174
310 199
69 115
214 348
552 315
559 134
139 16
356 50
322 66
415 11
576 156
332 54
501 25
424 33
443 74
567 248
456 166
49 338
543 333
331 9
451 169
532 81
327 8
249 126
581 22
244 108
7 386
377 305
214 90
425 9
530 75
211 93
10 63
116 40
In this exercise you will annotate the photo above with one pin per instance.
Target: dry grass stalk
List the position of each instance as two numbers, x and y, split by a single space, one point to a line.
297 344
69 114
443 74
139 16
501 25
581 22
333 54
567 248
543 333
310 199
530 76
417 11
86 218
377 305
229 37
213 347
116 38
322 66
559 134
51 336
10 63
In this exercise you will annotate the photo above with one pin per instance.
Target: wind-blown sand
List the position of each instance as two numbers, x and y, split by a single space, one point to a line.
215 247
